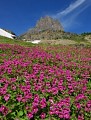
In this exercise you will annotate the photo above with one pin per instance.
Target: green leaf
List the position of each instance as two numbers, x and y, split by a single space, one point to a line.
0 98
23 119
46 118
25 111
20 113
18 103
13 113
55 118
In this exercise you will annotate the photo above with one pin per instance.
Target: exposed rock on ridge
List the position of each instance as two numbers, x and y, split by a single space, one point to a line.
48 28
44 28
48 23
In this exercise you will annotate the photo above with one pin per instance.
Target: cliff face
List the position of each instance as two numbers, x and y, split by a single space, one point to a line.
44 29
48 28
48 23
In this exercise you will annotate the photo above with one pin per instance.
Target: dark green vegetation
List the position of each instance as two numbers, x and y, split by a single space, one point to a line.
86 33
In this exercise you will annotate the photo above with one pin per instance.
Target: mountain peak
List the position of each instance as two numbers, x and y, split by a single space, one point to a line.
48 23
45 28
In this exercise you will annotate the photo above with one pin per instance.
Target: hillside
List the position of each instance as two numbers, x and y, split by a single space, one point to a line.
5 40
87 36
44 29
48 29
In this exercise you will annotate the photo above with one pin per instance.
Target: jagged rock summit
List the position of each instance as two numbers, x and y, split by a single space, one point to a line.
48 23
50 29
43 27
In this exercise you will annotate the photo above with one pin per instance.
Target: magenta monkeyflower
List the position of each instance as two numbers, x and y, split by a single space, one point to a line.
4 110
9 70
19 98
34 110
80 97
54 90
3 90
78 105
43 115
6 97
67 116
13 87
29 115
80 117
43 103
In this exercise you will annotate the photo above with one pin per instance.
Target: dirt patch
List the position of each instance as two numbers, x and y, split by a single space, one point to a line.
63 42
88 38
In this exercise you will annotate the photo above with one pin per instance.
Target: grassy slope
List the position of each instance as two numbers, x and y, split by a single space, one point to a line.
4 40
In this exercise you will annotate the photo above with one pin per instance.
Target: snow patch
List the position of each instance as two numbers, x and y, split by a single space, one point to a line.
6 34
36 41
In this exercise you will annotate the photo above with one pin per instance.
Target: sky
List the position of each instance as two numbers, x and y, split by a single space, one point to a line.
21 15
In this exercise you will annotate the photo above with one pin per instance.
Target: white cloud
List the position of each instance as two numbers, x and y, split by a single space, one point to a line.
70 8
70 14
71 20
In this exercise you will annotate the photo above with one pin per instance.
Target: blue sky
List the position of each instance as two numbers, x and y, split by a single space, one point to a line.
21 15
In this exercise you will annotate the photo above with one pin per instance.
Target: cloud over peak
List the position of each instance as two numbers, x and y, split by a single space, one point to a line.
69 16
70 8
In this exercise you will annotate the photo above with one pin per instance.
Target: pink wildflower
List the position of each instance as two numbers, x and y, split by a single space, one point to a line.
6 97
29 115
4 110
43 115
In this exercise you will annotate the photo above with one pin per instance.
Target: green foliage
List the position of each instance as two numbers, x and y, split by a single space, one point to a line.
86 33
5 40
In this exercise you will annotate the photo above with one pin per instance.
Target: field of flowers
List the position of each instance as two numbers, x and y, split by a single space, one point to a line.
50 83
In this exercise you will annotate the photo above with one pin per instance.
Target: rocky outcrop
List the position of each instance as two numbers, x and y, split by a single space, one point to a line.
44 29
48 28
48 23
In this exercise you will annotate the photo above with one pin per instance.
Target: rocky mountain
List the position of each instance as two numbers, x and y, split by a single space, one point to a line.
44 29
48 23
51 29
7 33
